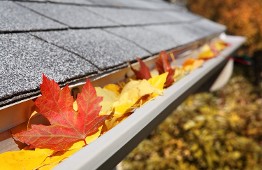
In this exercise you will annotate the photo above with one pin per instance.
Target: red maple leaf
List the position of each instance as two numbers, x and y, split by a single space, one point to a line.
163 65
143 72
66 125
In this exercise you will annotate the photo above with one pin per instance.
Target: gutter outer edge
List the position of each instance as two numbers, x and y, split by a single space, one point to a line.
112 144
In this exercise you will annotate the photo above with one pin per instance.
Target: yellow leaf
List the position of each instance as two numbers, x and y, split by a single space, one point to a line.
158 81
93 137
131 93
125 102
206 53
111 123
88 140
220 45
113 87
179 73
143 87
198 63
191 64
52 161
24 159
109 97
188 68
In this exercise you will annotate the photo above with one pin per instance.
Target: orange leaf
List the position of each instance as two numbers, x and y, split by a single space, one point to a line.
191 64
66 125
189 61
143 72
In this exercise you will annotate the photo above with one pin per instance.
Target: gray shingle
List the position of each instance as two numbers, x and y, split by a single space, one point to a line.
203 28
24 58
183 15
73 16
153 0
209 26
135 17
189 32
153 41
16 18
180 33
31 0
85 2
168 6
101 48
161 4
136 4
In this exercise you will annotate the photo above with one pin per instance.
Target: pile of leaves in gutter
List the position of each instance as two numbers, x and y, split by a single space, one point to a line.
73 123
220 130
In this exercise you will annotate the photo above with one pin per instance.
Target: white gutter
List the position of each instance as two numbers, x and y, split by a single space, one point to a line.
113 146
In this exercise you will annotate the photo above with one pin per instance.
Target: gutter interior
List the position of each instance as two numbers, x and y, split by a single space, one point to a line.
18 113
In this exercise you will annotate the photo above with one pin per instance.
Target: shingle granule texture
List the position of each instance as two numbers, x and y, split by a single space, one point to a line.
153 41
208 26
70 40
135 17
101 48
187 32
30 0
184 15
180 32
73 16
85 2
25 58
135 4
16 18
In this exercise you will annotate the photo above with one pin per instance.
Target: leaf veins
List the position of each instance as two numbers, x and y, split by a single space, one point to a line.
66 125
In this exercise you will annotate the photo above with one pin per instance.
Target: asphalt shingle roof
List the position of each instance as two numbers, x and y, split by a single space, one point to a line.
13 17
96 46
73 39
24 58
143 4
152 41
180 33
72 1
135 16
72 16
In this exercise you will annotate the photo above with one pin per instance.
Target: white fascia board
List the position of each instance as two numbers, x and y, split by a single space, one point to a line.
107 150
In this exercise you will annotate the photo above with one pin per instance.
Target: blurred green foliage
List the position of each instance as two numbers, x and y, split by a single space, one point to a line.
221 130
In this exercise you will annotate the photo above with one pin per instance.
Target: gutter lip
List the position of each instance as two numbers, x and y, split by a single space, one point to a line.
118 142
